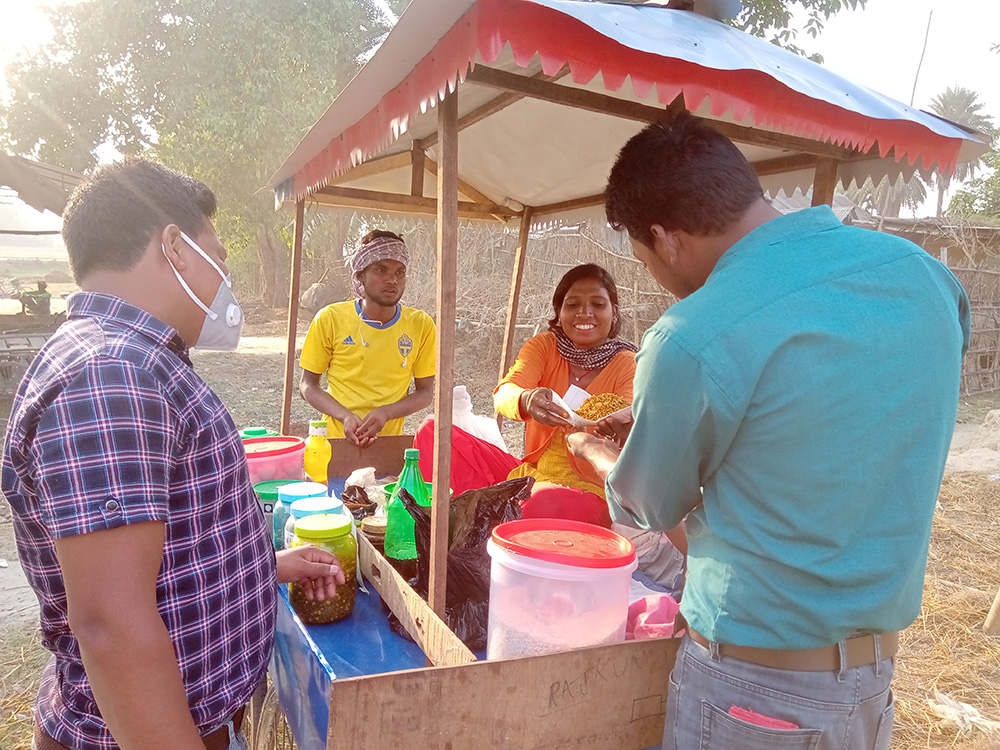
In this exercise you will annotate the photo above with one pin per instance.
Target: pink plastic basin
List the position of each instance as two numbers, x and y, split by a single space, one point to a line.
277 457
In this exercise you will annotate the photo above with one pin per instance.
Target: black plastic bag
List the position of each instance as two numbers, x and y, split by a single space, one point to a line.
471 519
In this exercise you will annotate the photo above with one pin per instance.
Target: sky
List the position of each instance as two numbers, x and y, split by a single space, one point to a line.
879 46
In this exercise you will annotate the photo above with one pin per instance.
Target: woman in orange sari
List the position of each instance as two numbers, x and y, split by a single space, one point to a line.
581 349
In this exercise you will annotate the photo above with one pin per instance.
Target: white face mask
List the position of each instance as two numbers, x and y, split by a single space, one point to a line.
224 319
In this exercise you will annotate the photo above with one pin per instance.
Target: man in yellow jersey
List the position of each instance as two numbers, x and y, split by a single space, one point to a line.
370 348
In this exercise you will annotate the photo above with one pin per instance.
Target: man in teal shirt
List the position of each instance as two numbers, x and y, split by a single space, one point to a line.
795 407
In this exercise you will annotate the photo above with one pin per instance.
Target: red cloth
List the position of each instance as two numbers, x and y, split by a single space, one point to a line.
555 501
652 617
474 462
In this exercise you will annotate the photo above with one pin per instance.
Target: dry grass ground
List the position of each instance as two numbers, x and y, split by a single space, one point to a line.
944 651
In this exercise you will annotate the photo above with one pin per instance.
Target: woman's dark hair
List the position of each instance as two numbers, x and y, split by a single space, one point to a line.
586 271
111 217
683 176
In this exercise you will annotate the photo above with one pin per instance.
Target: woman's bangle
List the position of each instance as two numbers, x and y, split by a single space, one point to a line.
526 395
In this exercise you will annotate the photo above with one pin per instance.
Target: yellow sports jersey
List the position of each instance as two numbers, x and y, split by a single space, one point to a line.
368 364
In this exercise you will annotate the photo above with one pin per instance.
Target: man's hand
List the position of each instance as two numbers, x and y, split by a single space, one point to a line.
352 426
616 426
538 404
598 452
372 424
315 570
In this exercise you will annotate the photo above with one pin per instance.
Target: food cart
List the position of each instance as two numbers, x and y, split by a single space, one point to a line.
518 109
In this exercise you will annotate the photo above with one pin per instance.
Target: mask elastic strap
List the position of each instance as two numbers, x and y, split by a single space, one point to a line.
206 256
191 294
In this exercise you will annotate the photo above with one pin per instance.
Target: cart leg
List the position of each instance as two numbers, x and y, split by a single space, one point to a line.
992 625
273 732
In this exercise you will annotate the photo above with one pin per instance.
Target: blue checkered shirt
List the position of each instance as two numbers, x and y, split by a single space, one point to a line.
112 426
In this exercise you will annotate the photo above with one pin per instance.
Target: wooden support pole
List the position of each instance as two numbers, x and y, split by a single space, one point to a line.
517 276
417 158
444 380
825 181
293 316
992 625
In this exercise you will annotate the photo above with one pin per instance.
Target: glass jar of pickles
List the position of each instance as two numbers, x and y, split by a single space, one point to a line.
333 534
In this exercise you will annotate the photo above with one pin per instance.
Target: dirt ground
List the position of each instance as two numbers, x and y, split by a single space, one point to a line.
249 381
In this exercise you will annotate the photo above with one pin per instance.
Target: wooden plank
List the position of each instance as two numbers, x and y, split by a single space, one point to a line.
334 195
373 167
439 644
492 107
385 455
418 164
824 182
611 105
784 164
293 316
444 379
517 278
584 202
601 698
464 188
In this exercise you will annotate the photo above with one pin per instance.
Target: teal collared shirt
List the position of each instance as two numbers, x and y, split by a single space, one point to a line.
798 409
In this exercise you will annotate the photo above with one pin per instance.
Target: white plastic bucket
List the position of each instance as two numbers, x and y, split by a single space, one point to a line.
547 597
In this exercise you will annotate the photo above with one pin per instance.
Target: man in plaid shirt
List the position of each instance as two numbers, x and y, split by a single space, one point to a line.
135 519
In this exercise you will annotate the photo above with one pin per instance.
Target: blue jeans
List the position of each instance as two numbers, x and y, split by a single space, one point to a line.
850 709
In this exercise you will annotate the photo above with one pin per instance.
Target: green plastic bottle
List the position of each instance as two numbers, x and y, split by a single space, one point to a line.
400 545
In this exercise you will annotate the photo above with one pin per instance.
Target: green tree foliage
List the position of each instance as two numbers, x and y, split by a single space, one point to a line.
218 89
771 19
979 198
960 105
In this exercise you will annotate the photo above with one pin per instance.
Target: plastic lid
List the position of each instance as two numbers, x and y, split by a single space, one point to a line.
411 454
556 540
269 490
277 445
289 493
252 432
308 506
317 427
322 526
374 525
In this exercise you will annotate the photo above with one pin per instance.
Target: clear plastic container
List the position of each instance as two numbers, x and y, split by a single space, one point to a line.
312 506
332 533
276 457
556 585
288 494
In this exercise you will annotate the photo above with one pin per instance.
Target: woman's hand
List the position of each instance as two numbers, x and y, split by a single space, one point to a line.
538 404
317 571
616 426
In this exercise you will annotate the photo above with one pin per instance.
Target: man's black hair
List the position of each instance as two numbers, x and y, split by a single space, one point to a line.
685 176
111 217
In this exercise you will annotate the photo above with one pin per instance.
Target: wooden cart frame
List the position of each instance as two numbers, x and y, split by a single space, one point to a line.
526 71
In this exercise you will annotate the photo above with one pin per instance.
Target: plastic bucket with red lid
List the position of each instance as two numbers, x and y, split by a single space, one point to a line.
275 457
556 585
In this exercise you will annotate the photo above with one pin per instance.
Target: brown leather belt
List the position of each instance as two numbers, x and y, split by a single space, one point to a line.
217 740
860 651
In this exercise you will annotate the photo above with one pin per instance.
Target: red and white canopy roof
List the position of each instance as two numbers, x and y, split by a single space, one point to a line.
549 91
